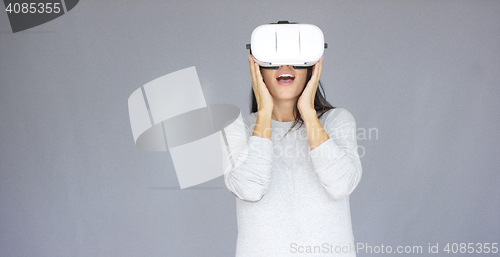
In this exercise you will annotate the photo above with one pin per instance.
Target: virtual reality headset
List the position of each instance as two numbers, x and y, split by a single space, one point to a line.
284 43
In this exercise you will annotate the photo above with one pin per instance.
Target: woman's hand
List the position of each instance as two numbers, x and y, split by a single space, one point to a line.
305 104
262 95
264 102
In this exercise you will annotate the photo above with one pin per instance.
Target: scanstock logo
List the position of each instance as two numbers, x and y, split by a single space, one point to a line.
171 112
25 14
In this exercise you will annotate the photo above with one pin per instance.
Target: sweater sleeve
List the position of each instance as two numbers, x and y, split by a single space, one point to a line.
247 162
336 161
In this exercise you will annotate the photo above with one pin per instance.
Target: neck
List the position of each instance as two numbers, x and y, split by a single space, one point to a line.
283 110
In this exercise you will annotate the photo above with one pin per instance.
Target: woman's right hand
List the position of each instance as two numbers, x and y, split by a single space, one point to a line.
262 95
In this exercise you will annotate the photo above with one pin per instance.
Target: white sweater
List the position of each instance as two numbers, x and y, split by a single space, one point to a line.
290 200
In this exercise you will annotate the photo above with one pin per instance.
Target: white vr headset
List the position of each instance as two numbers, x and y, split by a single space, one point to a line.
284 43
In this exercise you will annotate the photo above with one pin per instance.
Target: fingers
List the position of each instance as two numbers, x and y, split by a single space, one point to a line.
257 81
318 67
252 67
258 75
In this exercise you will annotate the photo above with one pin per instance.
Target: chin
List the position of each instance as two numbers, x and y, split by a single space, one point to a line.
285 96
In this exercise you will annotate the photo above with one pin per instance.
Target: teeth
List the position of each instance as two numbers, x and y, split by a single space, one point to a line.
285 76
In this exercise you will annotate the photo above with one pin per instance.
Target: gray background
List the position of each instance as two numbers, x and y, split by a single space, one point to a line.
425 74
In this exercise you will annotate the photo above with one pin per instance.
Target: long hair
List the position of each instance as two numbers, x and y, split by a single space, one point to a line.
321 105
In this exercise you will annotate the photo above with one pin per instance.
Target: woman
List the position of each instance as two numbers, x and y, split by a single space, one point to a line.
292 186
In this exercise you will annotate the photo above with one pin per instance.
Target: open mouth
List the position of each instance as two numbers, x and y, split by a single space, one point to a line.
285 79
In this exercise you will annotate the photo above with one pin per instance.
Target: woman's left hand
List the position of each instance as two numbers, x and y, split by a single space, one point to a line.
305 104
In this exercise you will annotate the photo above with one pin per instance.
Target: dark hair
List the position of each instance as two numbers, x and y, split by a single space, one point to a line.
321 105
